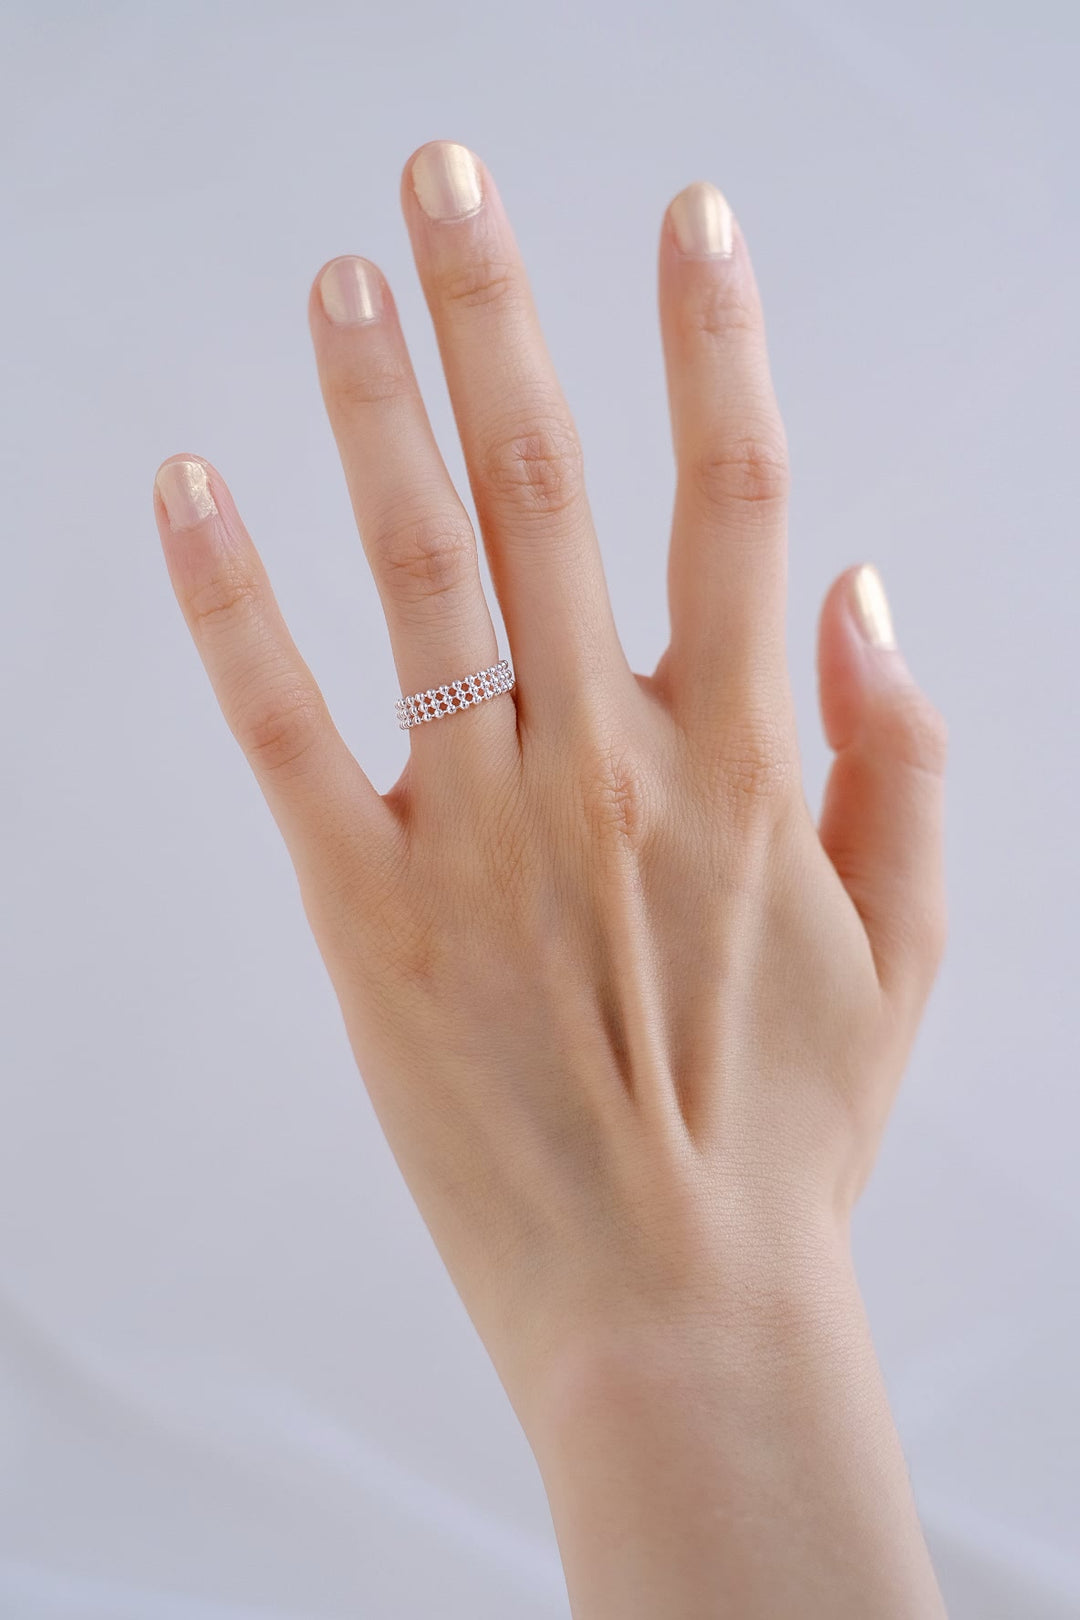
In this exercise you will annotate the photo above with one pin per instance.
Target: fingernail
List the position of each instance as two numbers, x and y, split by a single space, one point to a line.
446 180
703 222
872 607
349 293
185 493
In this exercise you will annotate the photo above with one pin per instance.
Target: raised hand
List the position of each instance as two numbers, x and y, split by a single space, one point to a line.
632 1023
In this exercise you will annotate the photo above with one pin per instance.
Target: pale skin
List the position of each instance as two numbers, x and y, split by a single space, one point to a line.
631 1018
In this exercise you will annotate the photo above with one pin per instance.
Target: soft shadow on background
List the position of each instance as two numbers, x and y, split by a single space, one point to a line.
235 1383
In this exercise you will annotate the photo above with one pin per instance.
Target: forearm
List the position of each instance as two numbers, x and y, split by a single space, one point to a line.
745 1467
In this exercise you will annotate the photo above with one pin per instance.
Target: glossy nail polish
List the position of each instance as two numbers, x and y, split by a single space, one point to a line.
872 607
349 293
703 222
185 493
446 180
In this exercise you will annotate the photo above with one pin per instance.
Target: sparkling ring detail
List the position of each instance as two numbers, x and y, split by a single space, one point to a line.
439 701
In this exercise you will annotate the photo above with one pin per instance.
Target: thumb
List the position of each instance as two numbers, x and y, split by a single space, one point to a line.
883 812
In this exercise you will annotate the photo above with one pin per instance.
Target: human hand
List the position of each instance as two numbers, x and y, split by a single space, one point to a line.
631 1022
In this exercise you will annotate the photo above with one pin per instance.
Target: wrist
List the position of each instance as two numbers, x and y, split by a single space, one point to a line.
735 1451
744 1323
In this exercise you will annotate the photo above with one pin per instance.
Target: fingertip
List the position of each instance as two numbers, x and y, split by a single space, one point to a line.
870 607
857 651
867 690
348 291
183 489
700 222
446 181
175 459
839 664
416 154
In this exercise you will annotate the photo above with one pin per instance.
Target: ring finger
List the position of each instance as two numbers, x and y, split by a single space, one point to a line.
415 530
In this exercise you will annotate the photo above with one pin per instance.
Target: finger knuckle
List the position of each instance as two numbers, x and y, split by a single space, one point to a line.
612 793
278 730
222 600
918 732
352 390
538 469
747 471
717 312
486 279
918 938
420 953
425 557
755 763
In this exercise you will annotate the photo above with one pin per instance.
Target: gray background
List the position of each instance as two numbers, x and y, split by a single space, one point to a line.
235 1381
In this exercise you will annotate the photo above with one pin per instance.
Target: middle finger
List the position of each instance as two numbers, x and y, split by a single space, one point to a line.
519 440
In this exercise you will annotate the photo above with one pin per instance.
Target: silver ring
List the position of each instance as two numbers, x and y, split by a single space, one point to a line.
439 701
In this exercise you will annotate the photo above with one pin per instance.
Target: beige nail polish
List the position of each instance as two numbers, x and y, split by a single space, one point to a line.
446 180
185 493
872 607
703 222
349 292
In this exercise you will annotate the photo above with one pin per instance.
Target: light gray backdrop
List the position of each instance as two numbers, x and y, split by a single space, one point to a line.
235 1382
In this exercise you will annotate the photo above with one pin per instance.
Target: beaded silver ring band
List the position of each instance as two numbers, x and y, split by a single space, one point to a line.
439 701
